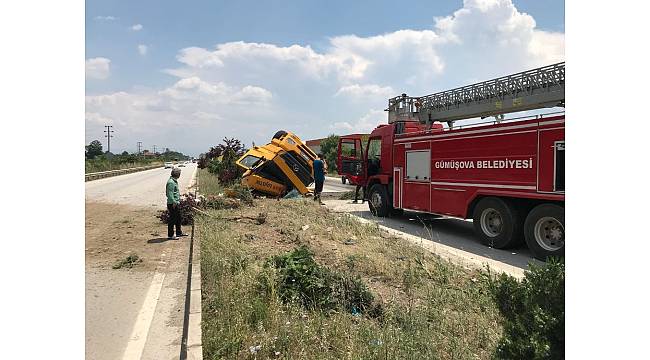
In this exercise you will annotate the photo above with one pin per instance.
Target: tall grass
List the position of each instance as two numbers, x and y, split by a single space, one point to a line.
208 183
431 308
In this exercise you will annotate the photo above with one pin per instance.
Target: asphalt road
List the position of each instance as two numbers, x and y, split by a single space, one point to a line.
456 233
334 184
137 313
144 188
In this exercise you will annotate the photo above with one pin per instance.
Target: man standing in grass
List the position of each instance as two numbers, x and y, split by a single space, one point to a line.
319 177
173 205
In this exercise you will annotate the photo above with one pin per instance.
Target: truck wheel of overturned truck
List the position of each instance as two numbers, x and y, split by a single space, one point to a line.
378 200
497 223
279 134
544 231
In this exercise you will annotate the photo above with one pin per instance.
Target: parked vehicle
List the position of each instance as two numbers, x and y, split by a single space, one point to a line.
168 165
506 175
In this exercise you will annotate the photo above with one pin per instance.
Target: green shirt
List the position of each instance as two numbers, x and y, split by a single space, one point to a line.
173 195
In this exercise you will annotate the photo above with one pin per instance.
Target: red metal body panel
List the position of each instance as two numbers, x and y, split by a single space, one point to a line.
511 159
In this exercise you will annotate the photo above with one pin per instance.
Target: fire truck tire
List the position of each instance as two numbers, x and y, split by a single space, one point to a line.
497 223
378 201
544 231
396 212
343 179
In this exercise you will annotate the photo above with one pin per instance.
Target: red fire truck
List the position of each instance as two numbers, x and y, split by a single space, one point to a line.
506 175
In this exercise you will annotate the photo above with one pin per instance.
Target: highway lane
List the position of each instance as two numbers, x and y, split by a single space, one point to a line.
144 188
334 185
133 313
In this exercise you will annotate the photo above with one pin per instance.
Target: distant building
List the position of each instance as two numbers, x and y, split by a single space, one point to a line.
314 145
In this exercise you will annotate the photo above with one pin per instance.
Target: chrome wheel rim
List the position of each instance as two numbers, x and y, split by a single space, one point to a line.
549 233
491 222
375 200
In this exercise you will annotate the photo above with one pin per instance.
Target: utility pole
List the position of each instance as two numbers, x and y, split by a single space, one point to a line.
139 147
108 135
154 149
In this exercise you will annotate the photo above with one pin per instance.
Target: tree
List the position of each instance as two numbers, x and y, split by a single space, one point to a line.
329 147
125 153
94 149
220 160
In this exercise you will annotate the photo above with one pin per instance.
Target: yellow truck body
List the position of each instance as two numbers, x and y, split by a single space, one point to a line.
276 168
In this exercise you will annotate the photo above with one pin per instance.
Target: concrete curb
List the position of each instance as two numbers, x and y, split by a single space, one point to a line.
456 256
194 335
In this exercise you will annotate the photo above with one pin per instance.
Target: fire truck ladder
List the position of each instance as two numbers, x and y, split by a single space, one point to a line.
528 90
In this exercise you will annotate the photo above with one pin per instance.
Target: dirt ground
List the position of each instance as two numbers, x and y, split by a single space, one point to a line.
114 231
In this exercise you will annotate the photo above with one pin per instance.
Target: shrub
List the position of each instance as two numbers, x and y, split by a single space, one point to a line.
220 160
301 279
241 192
187 204
533 312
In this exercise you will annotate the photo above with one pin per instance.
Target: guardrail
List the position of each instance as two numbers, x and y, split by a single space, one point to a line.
104 174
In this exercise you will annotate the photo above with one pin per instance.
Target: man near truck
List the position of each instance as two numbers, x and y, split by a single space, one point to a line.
319 177
173 205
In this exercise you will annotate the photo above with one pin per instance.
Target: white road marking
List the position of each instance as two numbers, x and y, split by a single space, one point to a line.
138 338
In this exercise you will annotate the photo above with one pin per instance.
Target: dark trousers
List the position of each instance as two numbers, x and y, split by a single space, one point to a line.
356 193
318 189
174 220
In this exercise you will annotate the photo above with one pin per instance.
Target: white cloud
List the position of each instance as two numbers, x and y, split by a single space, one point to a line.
142 49
98 68
357 91
105 18
136 27
244 89
364 124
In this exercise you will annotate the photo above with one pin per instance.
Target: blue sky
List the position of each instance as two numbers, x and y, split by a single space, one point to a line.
312 67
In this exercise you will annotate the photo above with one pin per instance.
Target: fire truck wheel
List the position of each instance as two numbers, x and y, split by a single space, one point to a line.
378 200
497 223
544 231
396 212
343 179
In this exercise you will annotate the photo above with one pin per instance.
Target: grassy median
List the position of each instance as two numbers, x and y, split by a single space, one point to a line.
308 283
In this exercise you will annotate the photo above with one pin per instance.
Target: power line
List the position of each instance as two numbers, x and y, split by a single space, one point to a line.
108 135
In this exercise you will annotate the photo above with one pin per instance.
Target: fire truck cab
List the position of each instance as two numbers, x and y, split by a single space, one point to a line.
506 175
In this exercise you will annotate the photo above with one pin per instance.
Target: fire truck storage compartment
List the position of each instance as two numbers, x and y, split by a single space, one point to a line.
551 158
416 177
559 166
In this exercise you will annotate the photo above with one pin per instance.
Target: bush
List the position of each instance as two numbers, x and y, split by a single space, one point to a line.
302 280
220 160
241 192
188 203
533 312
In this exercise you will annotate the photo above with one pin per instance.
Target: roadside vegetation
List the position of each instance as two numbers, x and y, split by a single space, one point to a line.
290 279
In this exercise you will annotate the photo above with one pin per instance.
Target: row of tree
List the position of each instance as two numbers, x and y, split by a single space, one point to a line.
94 151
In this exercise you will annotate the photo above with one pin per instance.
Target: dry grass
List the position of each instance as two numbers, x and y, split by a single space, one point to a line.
433 309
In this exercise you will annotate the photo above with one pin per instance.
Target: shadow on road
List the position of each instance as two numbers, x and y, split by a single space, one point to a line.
158 240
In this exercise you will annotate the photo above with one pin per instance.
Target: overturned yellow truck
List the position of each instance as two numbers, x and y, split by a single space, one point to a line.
278 167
